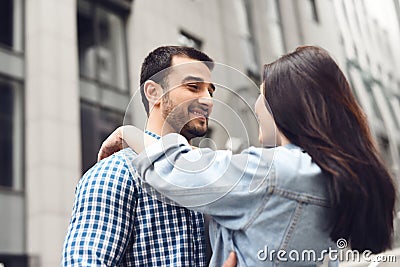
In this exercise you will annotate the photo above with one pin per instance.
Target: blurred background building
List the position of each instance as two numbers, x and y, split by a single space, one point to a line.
68 69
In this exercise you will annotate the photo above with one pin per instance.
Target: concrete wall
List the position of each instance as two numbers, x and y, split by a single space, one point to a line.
52 105
52 125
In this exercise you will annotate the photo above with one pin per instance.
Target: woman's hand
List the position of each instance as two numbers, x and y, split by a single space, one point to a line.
231 261
123 137
112 144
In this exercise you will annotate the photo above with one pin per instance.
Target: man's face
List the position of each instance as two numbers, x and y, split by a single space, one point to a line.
187 101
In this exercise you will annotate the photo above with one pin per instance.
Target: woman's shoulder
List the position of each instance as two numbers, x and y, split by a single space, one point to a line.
288 156
298 175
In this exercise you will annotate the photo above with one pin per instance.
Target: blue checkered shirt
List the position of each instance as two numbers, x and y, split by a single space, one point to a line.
114 223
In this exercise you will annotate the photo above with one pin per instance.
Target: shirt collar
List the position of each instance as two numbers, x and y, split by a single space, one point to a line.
152 134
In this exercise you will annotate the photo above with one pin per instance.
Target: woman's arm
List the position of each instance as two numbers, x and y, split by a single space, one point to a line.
228 187
122 137
213 182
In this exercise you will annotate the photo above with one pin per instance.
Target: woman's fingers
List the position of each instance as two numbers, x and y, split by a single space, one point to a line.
112 144
230 261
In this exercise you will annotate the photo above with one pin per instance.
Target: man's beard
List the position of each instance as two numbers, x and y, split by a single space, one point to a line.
179 119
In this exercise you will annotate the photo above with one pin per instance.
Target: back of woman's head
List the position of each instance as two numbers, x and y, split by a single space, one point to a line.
313 106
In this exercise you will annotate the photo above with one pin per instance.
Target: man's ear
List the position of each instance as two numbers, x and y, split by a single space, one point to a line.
153 92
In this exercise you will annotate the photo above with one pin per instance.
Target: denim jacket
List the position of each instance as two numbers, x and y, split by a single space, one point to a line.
270 206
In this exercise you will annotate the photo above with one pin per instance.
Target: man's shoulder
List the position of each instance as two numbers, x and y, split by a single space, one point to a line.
124 156
113 169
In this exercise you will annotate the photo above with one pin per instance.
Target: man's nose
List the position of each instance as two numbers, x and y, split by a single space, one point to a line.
206 99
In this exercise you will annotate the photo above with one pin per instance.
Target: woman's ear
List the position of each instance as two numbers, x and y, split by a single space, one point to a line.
153 92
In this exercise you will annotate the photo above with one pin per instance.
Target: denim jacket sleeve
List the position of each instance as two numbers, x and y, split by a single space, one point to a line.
228 187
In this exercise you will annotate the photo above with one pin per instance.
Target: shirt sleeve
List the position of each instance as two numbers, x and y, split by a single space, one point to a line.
228 187
102 217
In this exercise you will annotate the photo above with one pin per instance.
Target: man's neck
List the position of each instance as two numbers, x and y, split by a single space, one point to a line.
156 124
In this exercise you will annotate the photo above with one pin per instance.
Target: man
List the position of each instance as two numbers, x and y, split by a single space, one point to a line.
113 221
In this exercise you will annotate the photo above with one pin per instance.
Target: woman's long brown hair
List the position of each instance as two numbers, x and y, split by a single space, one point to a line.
313 106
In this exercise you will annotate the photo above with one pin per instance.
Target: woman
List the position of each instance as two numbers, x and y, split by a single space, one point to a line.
325 182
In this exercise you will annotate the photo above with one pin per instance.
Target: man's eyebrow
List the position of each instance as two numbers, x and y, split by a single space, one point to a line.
188 79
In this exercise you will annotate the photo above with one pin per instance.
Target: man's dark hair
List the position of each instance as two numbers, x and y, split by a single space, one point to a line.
161 59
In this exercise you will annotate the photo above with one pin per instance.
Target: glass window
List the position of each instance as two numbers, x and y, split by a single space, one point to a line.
391 107
6 27
314 10
384 148
86 40
275 27
245 30
14 260
111 65
375 106
11 24
6 124
101 38
395 108
12 200
97 123
362 93
103 72
186 39
10 140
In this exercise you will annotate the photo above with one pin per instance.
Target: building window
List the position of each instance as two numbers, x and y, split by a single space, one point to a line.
246 33
186 39
11 25
102 55
11 134
275 27
375 105
384 148
12 199
11 81
103 72
97 124
7 124
314 10
392 107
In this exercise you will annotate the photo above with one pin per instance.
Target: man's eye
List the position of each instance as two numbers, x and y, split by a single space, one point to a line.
192 86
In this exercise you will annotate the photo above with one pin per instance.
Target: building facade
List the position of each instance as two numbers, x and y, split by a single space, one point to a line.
69 72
